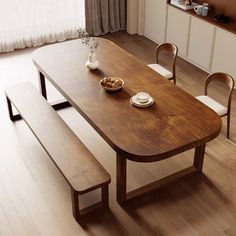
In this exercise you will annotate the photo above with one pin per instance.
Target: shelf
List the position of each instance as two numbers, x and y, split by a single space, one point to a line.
231 26
182 5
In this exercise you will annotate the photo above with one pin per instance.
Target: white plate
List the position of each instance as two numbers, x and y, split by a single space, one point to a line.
134 101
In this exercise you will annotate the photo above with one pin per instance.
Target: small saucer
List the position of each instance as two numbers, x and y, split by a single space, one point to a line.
134 101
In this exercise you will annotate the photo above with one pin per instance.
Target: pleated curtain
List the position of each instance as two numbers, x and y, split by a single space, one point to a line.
26 23
103 16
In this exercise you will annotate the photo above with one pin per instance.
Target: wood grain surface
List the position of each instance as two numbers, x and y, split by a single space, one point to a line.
174 123
35 199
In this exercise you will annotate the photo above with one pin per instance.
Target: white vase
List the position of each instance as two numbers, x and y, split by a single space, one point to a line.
92 62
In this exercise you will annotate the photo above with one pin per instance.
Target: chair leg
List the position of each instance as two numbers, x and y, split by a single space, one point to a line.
174 80
228 125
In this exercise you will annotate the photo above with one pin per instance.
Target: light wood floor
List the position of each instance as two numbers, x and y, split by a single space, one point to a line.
35 199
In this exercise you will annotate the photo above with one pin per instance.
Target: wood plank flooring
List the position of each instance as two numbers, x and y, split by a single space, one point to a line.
35 199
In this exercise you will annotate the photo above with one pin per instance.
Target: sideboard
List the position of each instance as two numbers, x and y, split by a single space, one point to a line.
201 40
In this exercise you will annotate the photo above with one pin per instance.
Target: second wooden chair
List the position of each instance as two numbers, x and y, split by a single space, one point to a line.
214 105
170 48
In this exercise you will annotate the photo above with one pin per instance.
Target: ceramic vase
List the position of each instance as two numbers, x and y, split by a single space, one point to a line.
92 62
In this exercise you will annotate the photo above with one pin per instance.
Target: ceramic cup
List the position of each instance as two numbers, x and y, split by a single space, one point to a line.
142 97
204 10
198 9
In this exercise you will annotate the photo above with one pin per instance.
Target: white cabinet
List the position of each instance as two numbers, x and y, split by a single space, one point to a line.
201 40
202 43
155 20
177 32
224 55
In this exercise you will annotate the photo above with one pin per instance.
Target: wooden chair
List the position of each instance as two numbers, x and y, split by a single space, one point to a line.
214 105
166 47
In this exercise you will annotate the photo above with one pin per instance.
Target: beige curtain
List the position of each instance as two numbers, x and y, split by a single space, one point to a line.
26 23
103 16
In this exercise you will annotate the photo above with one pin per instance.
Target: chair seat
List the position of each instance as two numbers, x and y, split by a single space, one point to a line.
214 105
161 70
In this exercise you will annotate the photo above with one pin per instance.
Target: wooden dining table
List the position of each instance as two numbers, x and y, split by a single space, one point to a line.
176 122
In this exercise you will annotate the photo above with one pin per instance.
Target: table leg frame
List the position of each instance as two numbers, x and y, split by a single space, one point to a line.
121 177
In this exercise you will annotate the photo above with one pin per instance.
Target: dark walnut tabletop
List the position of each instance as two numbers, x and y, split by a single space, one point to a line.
174 123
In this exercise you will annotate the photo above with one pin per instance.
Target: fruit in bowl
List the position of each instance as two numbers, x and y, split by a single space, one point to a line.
112 83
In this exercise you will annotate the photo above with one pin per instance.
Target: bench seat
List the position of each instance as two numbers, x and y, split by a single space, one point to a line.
76 163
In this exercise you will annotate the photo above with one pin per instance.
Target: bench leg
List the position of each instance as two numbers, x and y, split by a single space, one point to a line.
75 204
10 111
78 213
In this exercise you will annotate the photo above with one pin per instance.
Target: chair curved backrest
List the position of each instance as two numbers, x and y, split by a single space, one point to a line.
229 82
168 47
224 78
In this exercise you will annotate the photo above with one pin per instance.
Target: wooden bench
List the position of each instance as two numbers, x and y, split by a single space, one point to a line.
79 167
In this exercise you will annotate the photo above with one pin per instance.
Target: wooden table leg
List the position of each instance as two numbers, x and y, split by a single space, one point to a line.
43 90
42 85
121 179
199 157
121 176
105 195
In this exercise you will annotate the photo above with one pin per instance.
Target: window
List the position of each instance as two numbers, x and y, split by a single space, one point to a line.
28 23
